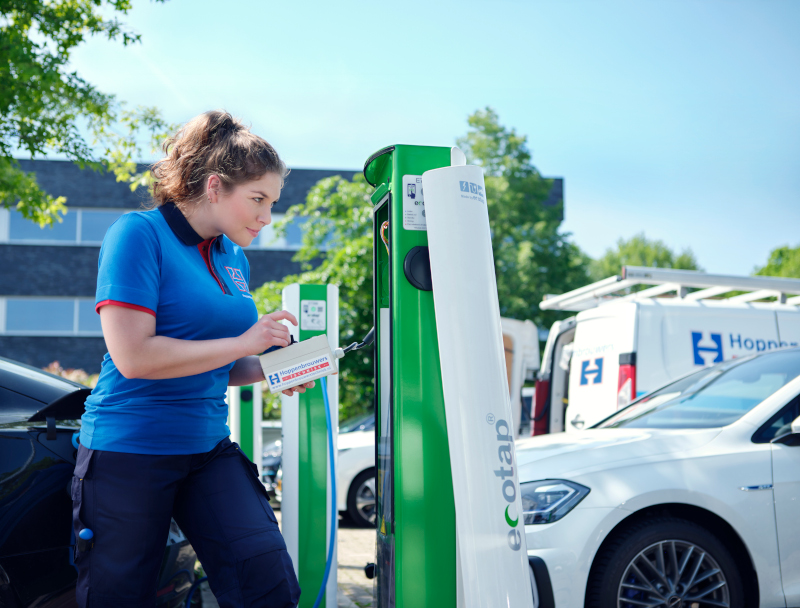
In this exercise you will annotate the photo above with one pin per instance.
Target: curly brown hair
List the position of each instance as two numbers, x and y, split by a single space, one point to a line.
213 143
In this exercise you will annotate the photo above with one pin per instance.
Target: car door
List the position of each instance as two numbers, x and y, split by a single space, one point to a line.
786 488
786 494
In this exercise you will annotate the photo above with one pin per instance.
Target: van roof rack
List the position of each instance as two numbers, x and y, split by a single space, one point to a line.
663 281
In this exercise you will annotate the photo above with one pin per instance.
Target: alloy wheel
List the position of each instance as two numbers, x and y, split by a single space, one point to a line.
365 499
673 574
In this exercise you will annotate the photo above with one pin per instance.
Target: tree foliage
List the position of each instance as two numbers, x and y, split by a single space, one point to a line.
641 251
46 107
336 249
783 262
532 256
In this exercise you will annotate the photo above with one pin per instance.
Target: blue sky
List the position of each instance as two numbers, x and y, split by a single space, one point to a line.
675 118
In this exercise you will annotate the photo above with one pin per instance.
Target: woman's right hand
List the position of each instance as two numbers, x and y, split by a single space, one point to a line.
268 332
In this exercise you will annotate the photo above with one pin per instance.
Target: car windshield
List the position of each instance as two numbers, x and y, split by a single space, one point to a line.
713 397
365 422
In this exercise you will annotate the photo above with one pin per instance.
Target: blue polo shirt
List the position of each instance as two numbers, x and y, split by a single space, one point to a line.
155 262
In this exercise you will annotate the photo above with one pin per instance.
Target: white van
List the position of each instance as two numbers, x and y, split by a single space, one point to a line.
521 346
621 346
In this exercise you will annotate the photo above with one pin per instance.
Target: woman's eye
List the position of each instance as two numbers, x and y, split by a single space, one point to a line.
258 200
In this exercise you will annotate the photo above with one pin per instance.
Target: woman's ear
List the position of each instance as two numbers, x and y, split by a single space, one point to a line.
213 185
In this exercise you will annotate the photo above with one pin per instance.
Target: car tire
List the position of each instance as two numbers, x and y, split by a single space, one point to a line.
361 499
658 562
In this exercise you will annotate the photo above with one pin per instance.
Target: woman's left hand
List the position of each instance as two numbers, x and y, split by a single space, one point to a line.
298 389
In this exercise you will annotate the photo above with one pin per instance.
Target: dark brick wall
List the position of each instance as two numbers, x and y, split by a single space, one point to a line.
270 266
32 270
300 181
80 353
83 187
87 188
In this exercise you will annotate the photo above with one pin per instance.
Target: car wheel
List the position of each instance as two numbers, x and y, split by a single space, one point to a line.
665 562
361 499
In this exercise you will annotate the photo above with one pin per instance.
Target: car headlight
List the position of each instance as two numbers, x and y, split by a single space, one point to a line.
548 500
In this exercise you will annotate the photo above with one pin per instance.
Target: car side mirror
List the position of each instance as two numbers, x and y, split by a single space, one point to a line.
792 438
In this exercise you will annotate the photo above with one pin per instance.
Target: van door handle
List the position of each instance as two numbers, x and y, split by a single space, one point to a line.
577 422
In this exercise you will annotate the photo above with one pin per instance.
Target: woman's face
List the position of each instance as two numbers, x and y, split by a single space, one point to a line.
241 213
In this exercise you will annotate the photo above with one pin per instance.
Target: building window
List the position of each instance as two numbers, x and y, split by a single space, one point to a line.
88 319
95 224
89 226
49 317
22 229
78 226
39 315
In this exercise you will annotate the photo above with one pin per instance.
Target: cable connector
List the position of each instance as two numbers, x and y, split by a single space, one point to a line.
368 339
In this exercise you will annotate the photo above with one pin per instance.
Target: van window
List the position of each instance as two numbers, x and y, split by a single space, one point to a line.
711 398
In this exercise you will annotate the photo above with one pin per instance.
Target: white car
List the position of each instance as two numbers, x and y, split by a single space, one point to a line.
355 470
355 474
687 498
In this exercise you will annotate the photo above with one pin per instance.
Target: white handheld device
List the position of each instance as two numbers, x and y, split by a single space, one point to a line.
298 363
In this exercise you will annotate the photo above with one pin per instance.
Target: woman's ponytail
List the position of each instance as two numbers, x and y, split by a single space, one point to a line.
214 143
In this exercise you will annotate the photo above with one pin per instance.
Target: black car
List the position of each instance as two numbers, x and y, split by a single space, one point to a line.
39 420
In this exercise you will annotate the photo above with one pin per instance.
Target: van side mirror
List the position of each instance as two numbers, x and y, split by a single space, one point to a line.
792 438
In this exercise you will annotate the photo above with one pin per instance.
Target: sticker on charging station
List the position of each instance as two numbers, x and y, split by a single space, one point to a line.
312 315
413 203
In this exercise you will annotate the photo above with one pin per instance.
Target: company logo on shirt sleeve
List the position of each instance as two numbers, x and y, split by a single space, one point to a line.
238 278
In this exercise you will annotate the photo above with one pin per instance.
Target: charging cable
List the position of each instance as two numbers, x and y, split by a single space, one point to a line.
334 512
368 339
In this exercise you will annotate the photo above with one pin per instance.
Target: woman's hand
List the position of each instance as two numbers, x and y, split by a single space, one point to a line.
268 332
298 389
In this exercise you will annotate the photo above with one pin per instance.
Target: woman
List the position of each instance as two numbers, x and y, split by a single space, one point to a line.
180 326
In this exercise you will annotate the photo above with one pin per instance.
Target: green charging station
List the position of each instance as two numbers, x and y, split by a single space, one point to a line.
306 512
415 518
245 413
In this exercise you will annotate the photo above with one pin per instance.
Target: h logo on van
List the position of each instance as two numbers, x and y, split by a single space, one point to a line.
697 336
274 379
596 373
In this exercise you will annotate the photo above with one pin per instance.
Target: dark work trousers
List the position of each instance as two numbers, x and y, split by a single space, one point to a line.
219 503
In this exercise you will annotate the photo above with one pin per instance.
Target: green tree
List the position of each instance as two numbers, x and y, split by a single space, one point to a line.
783 262
641 251
45 107
532 256
336 249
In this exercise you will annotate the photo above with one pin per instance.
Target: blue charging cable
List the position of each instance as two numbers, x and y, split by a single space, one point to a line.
334 514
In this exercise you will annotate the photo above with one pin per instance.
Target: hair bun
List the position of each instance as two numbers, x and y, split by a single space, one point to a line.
205 145
226 125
